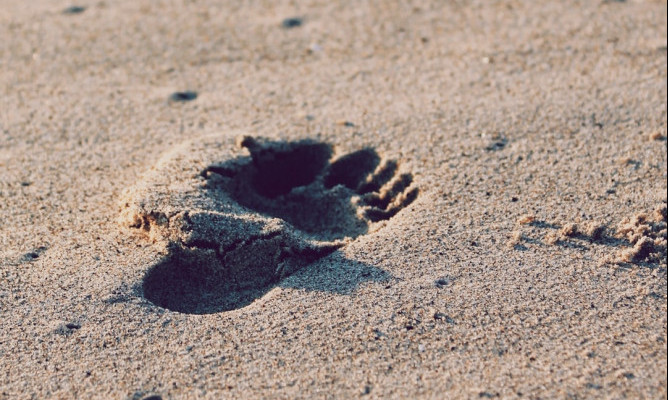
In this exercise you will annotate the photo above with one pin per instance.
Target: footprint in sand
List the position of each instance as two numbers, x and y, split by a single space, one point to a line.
266 210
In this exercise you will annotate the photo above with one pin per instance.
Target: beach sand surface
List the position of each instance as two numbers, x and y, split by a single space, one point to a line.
183 209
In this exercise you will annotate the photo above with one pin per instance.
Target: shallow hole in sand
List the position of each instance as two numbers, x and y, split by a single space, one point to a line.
325 199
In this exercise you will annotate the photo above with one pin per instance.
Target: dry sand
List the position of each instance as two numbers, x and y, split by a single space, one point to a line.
512 242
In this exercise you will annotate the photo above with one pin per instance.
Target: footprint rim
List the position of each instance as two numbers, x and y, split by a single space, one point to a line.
373 173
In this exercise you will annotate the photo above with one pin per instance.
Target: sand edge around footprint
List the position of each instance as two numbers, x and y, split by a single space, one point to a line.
230 222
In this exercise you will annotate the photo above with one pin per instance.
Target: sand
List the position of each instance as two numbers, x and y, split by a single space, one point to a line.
461 199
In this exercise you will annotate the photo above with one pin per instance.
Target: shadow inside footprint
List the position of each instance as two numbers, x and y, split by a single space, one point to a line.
183 282
180 283
298 183
283 207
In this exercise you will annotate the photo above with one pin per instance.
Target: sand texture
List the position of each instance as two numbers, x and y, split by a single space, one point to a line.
319 199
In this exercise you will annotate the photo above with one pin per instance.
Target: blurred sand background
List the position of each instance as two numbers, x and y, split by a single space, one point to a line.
535 130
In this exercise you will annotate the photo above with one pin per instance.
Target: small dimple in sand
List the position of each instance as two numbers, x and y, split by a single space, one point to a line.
241 217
